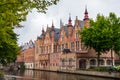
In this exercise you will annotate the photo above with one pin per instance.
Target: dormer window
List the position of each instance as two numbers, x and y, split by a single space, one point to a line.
76 35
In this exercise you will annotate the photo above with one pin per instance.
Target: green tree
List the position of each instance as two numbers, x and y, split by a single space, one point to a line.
102 35
8 45
114 24
12 12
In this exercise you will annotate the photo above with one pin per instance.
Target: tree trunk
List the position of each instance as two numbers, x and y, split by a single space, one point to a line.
111 57
98 59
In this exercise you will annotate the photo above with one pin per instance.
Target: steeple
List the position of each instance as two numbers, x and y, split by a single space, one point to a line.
43 32
52 26
86 14
76 21
86 18
69 21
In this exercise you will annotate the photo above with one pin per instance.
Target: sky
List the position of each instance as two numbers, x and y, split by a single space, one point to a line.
36 21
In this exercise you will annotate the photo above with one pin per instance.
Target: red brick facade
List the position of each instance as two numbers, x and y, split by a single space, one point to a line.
27 55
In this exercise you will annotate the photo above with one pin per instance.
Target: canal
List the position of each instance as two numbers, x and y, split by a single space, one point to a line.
44 75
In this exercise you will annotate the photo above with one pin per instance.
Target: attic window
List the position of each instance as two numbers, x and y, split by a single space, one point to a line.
76 36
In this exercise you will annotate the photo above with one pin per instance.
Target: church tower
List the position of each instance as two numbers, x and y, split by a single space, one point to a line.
70 27
43 34
86 18
53 31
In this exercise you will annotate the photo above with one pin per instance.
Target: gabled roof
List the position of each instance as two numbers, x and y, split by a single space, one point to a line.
57 31
66 30
57 34
27 45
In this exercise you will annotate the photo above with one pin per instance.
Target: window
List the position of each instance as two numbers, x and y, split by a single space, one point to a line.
77 45
108 62
92 62
77 35
101 62
70 62
72 46
66 45
55 48
63 62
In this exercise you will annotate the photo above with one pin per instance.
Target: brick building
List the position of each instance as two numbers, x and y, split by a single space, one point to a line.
61 48
26 56
49 46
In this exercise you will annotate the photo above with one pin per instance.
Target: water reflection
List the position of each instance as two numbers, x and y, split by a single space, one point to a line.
43 75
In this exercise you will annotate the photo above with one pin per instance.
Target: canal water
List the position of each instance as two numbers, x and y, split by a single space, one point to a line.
44 75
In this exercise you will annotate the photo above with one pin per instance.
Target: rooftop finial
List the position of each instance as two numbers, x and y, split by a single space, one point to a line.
86 10
52 25
69 21
42 30
86 13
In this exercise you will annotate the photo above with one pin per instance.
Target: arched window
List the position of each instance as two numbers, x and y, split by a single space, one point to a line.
92 62
108 62
101 62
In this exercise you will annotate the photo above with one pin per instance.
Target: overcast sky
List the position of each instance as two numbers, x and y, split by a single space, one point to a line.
35 21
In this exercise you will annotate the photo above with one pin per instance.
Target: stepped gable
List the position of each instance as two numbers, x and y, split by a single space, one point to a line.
57 31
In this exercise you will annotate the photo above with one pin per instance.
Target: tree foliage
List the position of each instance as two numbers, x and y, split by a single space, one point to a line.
8 45
12 12
114 27
103 34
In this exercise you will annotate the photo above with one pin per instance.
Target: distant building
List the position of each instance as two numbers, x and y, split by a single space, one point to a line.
26 56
